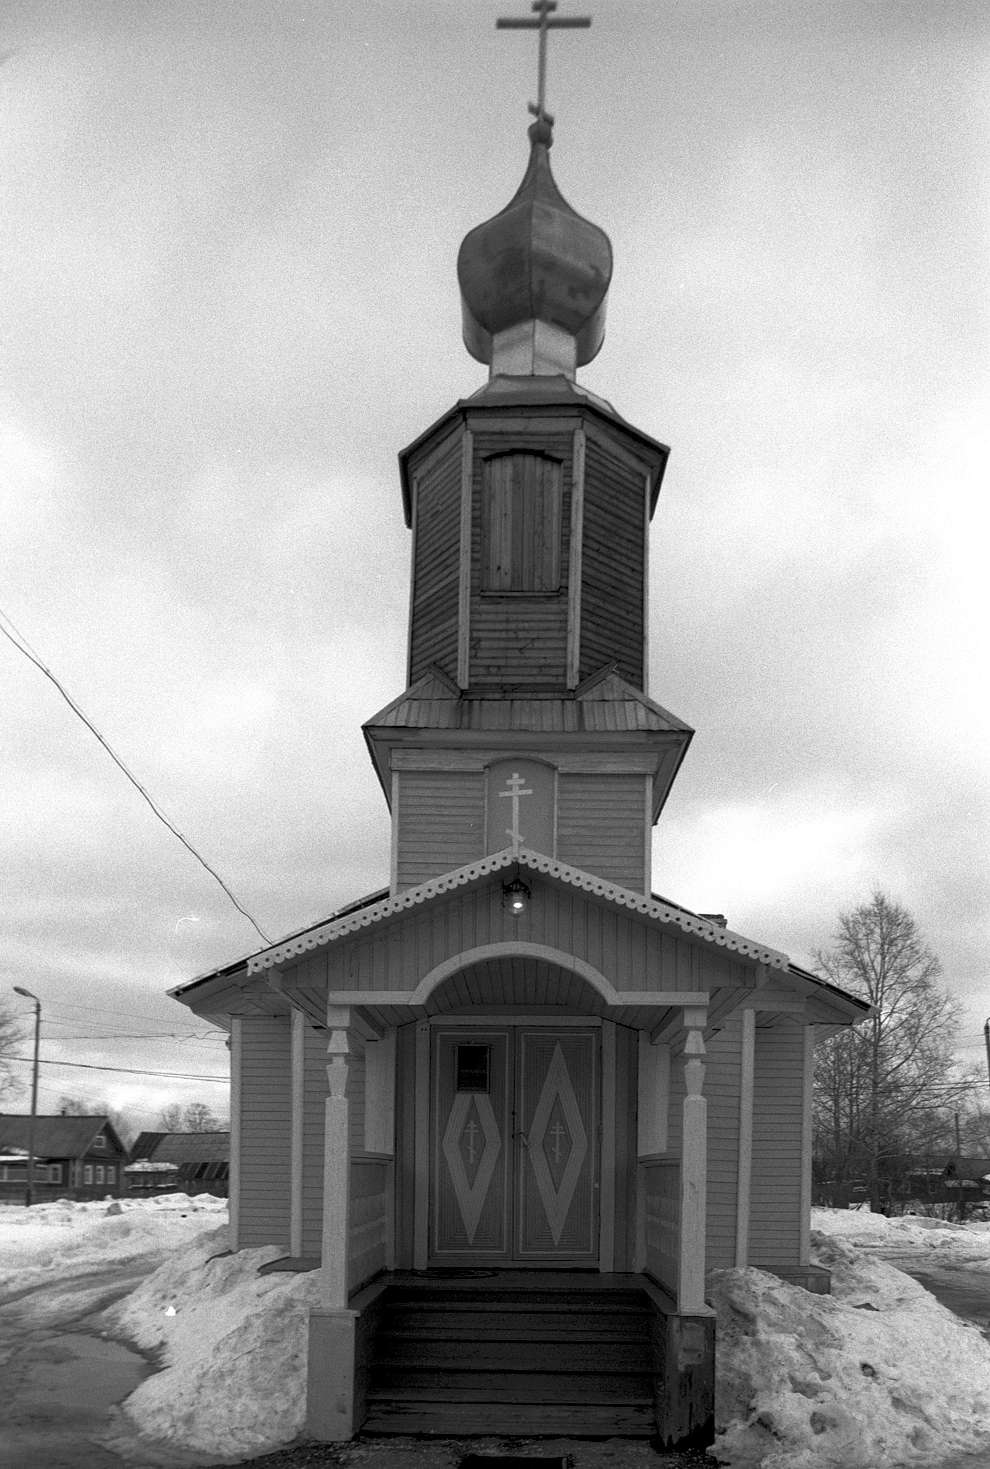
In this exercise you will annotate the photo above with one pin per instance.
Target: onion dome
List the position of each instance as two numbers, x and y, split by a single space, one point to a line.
534 278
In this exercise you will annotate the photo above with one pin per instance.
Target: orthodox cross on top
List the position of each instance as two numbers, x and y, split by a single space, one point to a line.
544 11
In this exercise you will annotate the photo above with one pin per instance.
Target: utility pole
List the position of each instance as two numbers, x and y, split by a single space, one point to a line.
986 1038
29 1190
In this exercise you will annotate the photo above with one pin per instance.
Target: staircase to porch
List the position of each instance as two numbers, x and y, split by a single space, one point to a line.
513 1355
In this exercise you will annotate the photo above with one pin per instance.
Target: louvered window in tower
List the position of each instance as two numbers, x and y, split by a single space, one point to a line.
522 495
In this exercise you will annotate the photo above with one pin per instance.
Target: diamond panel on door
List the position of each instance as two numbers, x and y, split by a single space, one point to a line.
557 1166
471 1145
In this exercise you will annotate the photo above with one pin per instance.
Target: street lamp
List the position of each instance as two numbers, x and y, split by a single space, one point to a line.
29 1191
986 1037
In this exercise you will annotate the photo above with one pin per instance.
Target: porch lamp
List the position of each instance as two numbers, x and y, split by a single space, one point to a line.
29 1189
515 896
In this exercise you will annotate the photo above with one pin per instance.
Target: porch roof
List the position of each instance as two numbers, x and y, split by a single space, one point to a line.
476 872
479 965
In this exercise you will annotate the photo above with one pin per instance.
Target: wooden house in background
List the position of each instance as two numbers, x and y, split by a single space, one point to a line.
516 1106
74 1158
179 1162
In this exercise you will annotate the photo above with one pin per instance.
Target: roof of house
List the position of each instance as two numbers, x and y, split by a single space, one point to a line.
182 1147
57 1136
975 1168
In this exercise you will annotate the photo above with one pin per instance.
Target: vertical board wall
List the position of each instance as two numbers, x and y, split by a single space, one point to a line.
722 1090
314 1114
266 1132
775 1213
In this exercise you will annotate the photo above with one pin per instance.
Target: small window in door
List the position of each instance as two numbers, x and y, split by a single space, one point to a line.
473 1069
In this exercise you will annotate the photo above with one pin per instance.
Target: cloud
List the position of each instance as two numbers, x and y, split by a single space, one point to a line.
786 849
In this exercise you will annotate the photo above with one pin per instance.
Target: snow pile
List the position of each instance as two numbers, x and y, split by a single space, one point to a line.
910 1236
234 1345
876 1373
78 1236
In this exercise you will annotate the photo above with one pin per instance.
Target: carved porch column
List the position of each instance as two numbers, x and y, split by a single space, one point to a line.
694 1166
336 1159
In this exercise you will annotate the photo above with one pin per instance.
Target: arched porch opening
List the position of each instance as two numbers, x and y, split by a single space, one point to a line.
518 1146
519 976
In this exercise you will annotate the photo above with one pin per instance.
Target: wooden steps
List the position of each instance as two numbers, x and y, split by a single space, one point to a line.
456 1360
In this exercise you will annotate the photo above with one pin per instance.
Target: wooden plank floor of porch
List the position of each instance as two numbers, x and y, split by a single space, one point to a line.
513 1353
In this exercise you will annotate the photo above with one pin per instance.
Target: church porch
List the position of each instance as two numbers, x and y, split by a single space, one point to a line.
517 1194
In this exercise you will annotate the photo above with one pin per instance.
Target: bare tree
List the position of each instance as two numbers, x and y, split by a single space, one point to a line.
71 1104
883 1089
11 1041
194 1117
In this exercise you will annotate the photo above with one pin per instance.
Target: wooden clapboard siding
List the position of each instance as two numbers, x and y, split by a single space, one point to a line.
612 562
722 1091
440 819
368 1225
601 823
518 640
775 1211
660 1182
314 1113
436 564
266 1127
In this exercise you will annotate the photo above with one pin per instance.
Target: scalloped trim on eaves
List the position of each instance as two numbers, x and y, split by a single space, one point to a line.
690 923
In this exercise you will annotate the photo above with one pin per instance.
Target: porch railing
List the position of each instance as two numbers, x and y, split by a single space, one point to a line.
660 1192
370 1229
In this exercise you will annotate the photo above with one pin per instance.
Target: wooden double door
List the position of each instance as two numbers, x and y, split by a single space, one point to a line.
515 1146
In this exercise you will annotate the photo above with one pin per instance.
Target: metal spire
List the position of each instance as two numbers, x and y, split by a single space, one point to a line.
545 21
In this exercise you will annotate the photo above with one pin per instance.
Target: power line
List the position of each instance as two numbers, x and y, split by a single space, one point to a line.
130 1070
57 1005
197 1038
12 635
126 1035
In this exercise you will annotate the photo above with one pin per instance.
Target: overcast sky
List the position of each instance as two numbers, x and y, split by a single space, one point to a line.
228 236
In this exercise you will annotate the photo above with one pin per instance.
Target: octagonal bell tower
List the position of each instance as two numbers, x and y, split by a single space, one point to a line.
530 504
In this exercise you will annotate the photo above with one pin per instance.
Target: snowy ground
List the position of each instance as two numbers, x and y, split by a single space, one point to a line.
32 1241
876 1374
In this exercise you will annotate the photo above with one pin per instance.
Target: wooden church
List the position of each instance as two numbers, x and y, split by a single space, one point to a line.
515 1106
